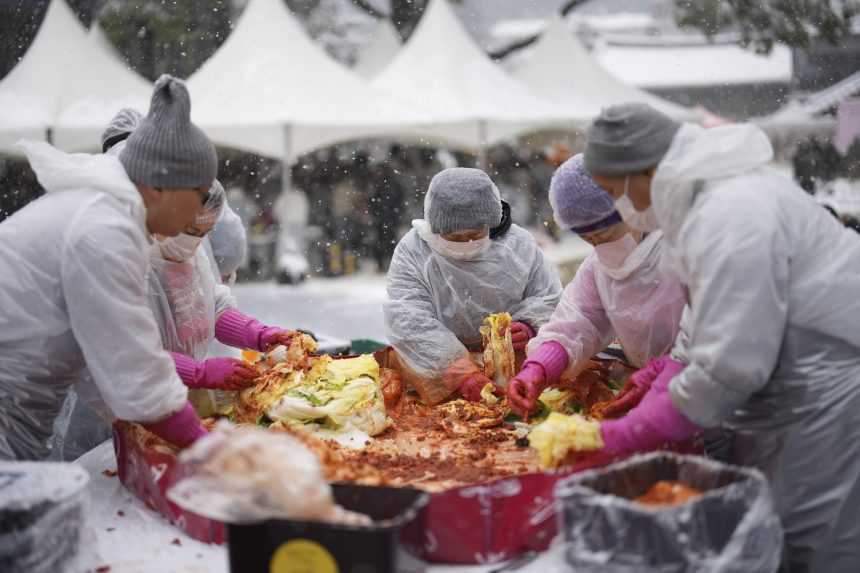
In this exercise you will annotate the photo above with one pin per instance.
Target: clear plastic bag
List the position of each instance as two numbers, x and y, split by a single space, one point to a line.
247 474
731 527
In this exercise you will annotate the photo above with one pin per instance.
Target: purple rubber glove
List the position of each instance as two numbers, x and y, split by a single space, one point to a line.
653 423
521 333
214 373
180 429
239 330
542 368
640 383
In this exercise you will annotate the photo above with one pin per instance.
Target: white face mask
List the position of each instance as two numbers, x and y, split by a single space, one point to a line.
458 251
180 248
614 254
644 221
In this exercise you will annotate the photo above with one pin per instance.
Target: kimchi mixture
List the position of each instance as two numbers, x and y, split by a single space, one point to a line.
667 494
366 427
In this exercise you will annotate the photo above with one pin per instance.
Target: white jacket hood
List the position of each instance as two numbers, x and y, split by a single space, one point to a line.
696 156
60 171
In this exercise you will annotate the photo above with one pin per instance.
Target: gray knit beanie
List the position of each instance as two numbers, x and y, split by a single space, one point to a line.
167 150
120 127
628 138
462 198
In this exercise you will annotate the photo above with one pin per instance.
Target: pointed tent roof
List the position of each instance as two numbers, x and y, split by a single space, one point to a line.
101 90
379 51
560 68
443 67
271 90
68 83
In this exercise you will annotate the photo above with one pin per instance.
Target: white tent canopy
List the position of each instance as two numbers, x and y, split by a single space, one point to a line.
379 51
561 69
473 100
271 90
66 82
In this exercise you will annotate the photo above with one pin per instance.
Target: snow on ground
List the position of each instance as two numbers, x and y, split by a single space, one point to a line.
351 307
346 307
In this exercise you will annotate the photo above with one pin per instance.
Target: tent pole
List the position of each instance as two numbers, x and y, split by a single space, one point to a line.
287 169
482 145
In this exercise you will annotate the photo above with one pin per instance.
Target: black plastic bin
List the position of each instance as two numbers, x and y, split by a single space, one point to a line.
393 544
730 528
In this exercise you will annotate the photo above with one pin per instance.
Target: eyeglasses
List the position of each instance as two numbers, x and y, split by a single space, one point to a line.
205 195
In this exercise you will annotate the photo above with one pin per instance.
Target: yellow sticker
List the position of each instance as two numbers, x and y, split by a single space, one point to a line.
302 556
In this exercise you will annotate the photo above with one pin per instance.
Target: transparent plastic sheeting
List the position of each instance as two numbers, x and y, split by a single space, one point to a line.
732 527
436 305
42 509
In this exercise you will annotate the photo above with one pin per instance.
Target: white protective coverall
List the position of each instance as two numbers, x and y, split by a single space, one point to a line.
635 302
73 294
436 304
774 339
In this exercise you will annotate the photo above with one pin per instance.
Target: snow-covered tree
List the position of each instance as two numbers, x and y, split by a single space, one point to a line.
762 23
340 27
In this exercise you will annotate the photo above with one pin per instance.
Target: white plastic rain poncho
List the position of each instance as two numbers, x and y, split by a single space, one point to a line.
187 298
635 302
774 336
436 304
72 294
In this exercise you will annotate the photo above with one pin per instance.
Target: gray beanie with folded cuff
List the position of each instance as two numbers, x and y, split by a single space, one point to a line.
461 198
628 138
167 150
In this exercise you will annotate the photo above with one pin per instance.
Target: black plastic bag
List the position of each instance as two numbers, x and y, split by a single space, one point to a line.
732 527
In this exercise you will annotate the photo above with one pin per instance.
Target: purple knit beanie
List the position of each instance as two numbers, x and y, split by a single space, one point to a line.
578 203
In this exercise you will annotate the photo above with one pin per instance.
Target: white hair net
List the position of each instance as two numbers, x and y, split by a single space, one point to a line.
229 242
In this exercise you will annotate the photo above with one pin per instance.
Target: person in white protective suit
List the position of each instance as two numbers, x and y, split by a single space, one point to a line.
772 346
72 278
618 291
461 263
187 298
191 305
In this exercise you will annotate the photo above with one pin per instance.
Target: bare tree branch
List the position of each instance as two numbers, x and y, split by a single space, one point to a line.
370 9
526 42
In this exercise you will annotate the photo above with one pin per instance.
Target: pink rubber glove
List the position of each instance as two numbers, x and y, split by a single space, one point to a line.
214 373
239 330
653 423
640 383
181 429
542 368
521 333
470 388
273 336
